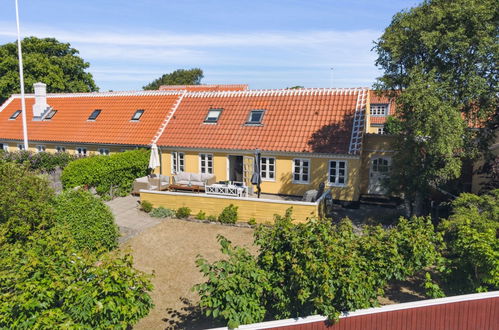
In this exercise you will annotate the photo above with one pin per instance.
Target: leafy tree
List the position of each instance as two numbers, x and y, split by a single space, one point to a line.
177 77
25 203
89 220
313 268
48 283
451 47
471 234
47 60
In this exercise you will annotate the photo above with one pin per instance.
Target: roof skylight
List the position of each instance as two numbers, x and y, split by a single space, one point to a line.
95 114
255 117
50 115
213 115
136 116
15 114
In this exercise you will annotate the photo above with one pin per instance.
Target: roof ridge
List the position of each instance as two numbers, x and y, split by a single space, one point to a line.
6 103
104 94
165 122
268 92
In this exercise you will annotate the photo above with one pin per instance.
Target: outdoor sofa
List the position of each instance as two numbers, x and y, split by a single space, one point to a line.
194 179
155 182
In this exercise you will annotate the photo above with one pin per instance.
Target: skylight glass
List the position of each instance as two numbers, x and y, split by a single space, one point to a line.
94 114
50 114
213 115
15 114
136 116
255 117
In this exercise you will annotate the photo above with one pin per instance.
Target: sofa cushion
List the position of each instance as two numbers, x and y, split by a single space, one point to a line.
206 176
182 176
197 183
195 177
186 182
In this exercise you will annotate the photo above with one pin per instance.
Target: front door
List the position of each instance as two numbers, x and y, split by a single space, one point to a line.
248 170
235 168
380 169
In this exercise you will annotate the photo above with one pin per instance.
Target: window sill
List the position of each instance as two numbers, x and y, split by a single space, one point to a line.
300 182
337 185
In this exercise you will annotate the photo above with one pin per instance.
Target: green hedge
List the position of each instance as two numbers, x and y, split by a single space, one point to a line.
89 220
112 174
43 161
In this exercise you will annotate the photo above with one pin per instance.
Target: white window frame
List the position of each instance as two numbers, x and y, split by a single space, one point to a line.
82 154
41 148
207 159
20 146
60 148
337 176
376 109
104 151
215 118
380 130
178 162
301 173
265 173
5 147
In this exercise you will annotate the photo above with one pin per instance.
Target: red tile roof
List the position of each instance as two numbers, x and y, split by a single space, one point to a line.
204 88
113 125
374 98
305 120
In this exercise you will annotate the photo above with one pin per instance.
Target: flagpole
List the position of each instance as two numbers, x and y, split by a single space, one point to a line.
21 79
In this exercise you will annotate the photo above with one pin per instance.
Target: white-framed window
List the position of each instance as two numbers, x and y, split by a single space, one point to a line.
379 110
60 149
267 168
103 151
212 116
81 151
255 117
206 163
337 173
40 148
4 147
380 130
177 162
301 170
20 146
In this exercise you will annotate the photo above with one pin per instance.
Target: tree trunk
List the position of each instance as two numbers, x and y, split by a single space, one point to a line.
418 205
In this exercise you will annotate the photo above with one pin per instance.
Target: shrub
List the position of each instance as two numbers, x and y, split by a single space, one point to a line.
201 215
183 212
112 174
212 218
252 222
162 212
313 268
25 202
47 283
88 219
43 161
228 215
146 206
472 246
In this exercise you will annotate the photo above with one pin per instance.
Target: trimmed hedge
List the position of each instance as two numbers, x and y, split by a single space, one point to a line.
111 175
42 161
89 220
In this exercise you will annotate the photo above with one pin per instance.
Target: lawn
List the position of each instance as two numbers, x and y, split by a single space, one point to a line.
170 249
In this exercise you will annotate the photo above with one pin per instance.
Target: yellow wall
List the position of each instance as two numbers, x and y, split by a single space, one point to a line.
374 145
283 173
261 211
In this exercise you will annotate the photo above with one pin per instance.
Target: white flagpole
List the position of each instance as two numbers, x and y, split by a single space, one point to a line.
21 79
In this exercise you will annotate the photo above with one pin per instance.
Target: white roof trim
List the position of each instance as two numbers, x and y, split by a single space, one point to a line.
7 102
367 311
104 94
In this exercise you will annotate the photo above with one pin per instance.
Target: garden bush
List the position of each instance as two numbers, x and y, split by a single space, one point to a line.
183 212
25 201
146 206
252 222
228 215
162 212
47 283
112 174
212 218
201 215
42 161
88 219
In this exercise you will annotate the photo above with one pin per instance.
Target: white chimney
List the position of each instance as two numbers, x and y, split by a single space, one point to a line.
40 105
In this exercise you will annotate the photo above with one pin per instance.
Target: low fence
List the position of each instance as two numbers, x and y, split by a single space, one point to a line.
467 312
262 210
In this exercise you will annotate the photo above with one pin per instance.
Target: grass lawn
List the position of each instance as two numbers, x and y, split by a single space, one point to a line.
170 249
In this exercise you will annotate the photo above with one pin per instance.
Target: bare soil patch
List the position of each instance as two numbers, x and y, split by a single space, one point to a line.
169 249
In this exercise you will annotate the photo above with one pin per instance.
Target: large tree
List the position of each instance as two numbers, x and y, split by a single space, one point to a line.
443 55
47 60
177 77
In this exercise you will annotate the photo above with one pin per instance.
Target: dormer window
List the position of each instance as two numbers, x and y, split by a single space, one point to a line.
95 114
255 117
379 110
136 116
15 114
213 115
50 115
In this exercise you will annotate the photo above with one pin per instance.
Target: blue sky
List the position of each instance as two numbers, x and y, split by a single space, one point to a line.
264 43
